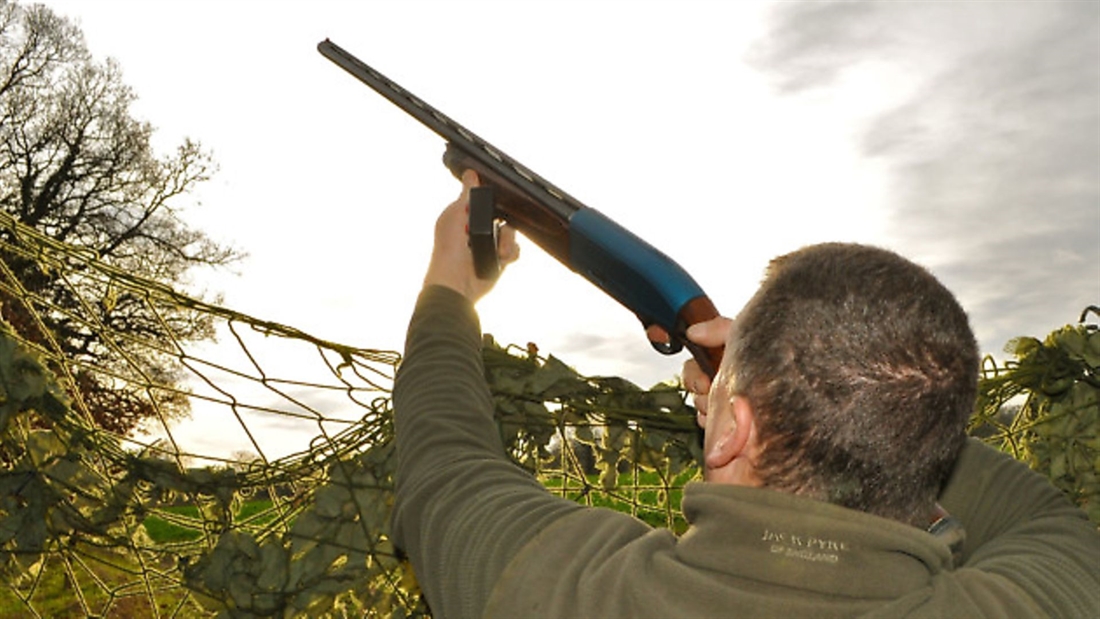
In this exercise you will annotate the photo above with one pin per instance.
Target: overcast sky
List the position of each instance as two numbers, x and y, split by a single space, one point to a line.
993 157
965 135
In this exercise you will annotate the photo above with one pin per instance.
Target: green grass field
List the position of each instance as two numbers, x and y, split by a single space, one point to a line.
164 532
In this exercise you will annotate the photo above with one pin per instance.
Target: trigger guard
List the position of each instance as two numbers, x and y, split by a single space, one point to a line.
667 348
671 347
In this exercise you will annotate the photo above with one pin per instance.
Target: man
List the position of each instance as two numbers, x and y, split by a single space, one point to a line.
836 418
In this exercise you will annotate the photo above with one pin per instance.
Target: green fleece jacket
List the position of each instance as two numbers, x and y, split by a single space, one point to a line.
486 539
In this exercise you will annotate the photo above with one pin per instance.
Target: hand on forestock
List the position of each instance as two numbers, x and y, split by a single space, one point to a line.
711 333
452 262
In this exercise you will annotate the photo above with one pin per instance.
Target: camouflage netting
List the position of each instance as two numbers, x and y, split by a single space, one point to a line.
95 523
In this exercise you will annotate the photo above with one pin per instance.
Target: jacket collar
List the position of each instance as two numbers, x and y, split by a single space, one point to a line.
787 540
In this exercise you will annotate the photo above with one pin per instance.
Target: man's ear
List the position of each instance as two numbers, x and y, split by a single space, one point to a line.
731 431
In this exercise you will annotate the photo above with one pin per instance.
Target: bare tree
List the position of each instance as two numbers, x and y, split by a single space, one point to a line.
76 165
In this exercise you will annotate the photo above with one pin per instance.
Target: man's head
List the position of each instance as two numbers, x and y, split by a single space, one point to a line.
859 371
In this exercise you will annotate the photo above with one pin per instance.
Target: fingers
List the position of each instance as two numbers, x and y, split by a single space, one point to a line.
698 384
709 333
507 246
452 263
700 403
695 379
469 179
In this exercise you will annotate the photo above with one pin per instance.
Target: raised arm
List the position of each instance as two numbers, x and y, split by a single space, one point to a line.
463 509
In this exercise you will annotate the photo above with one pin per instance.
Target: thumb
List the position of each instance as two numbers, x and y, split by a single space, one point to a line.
469 179
710 333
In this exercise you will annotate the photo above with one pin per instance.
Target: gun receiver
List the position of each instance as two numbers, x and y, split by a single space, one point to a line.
633 272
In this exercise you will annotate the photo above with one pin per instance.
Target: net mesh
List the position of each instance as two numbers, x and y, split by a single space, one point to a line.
156 522
169 521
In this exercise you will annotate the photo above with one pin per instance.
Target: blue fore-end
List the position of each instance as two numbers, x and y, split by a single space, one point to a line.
635 273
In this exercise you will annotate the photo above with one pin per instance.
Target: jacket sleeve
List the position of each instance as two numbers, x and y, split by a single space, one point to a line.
462 508
1022 529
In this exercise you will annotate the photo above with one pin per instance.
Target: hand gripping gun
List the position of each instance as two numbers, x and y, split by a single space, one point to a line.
633 272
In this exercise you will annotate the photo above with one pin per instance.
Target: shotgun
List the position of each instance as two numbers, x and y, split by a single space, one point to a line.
644 280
